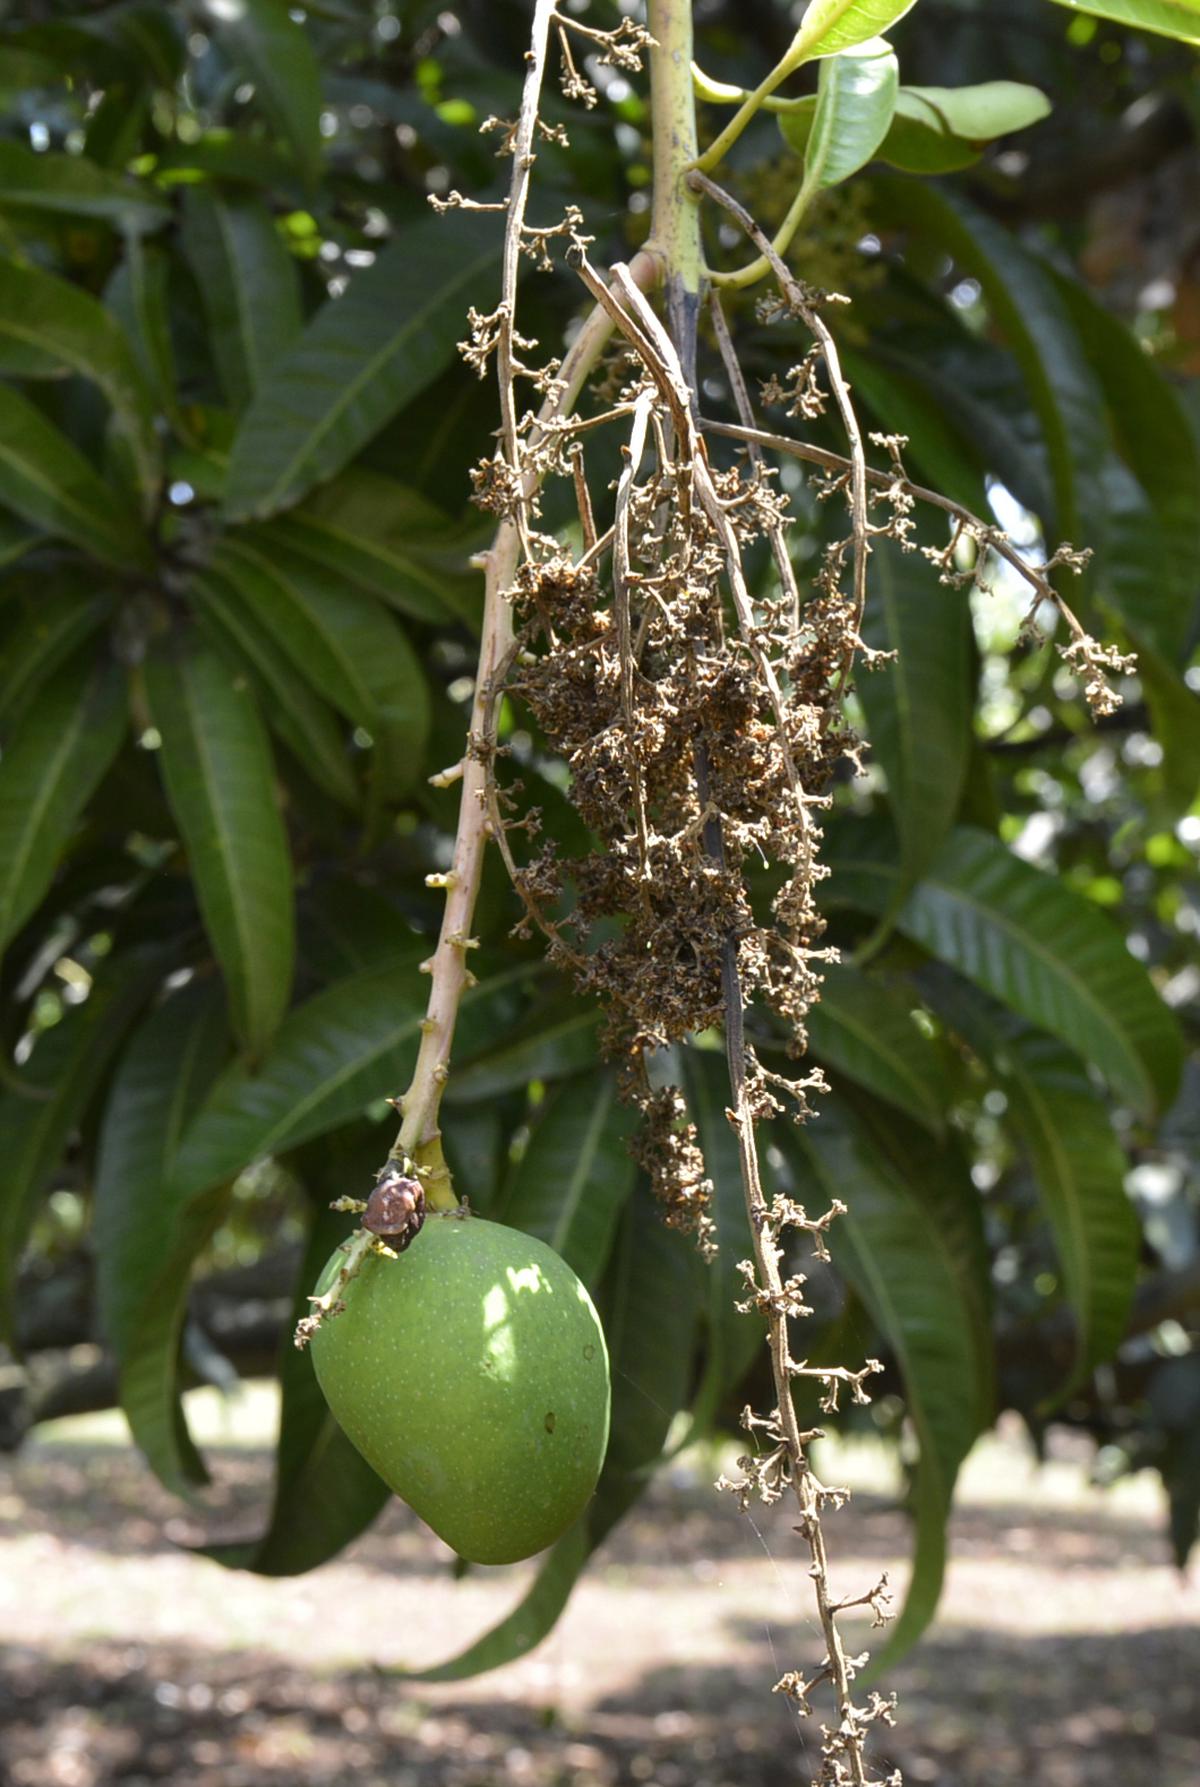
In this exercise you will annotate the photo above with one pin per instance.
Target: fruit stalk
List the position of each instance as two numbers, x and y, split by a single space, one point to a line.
419 1140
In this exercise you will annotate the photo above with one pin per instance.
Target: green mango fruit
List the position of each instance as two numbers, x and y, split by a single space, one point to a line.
472 1375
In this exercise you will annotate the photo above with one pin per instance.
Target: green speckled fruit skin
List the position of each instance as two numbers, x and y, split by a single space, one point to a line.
472 1375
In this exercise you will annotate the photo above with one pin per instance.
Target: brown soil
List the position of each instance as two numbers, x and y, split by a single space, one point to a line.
1067 1653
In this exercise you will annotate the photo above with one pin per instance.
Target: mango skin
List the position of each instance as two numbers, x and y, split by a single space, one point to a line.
472 1375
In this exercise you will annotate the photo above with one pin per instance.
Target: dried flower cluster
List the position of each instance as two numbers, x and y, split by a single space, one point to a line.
701 724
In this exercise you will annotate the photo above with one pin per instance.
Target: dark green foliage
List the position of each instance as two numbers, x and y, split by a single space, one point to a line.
236 617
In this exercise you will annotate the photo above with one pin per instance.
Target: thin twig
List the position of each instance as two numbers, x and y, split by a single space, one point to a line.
798 301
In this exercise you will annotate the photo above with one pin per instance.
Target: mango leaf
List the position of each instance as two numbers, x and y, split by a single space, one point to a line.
149 1380
48 773
936 130
346 926
358 362
830 26
219 777
732 1337
1078 1165
1175 713
919 707
46 480
48 628
1179 19
1041 949
943 449
551 1046
325 1491
1027 305
348 1045
990 109
16 539
248 285
941 1166
386 540
136 295
66 326
58 185
570 1184
293 708
1174 1401
856 96
274 51
650 1304
49 1098
145 1241
476 1145
346 644
534 1616
1158 571
863 1028
892 1247
164 1074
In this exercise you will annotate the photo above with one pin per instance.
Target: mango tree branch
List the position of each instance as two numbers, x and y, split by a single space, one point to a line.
419 1138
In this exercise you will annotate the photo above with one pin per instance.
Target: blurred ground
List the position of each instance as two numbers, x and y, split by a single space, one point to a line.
1067 1652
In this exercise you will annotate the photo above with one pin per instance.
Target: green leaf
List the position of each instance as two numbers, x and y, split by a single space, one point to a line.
46 480
146 1238
863 1028
352 1043
149 1380
48 773
386 540
248 285
1029 308
550 1046
59 321
1079 1168
942 449
326 1493
216 763
49 1098
990 109
1175 716
919 707
1037 946
830 26
733 1337
856 97
650 1306
137 297
534 1616
48 627
936 130
1169 18
16 539
164 1074
344 643
57 185
274 51
293 709
1158 572
893 1247
358 362
570 1184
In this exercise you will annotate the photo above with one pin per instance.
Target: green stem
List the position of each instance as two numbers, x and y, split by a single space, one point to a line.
675 218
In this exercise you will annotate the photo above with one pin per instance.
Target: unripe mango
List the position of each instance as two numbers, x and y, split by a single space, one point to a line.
472 1375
